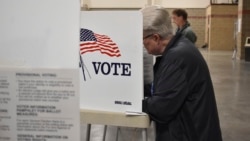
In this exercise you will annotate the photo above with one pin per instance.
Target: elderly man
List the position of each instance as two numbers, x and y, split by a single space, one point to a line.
181 102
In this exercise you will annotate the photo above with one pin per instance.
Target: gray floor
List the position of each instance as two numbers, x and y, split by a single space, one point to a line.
231 80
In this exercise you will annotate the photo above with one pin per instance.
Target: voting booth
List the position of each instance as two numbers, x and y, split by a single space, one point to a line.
113 69
47 71
111 61
39 69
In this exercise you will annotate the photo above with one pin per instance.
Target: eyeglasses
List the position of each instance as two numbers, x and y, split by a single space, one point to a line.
147 36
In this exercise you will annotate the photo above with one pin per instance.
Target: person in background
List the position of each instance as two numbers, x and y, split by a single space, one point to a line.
181 102
179 17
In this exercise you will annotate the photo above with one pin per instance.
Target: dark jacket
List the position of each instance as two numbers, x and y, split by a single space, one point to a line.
183 103
187 31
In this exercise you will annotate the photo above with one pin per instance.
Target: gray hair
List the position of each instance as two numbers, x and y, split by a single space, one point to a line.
156 20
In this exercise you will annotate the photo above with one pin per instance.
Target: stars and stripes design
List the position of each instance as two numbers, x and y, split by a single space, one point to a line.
90 42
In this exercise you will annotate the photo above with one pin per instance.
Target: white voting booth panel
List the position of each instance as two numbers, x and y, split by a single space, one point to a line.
111 72
39 70
39 33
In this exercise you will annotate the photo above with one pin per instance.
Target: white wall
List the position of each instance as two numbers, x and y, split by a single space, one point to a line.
142 3
187 3
183 3
116 3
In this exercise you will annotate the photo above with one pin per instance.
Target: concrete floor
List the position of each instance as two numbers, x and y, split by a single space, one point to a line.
231 79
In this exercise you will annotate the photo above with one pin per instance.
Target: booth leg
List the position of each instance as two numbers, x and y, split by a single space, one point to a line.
117 133
88 132
104 132
144 134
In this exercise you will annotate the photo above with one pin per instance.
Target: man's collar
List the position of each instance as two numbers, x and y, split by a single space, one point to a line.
172 42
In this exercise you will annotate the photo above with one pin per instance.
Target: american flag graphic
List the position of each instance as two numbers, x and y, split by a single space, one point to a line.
90 42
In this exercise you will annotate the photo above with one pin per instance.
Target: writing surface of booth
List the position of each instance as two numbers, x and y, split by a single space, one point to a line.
111 61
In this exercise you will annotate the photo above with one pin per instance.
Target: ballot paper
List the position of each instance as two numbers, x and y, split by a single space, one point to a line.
133 113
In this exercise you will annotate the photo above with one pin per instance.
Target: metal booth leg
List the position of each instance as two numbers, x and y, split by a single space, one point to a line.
88 132
144 134
104 132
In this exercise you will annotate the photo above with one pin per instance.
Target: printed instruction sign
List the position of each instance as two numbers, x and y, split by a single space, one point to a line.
111 61
36 105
